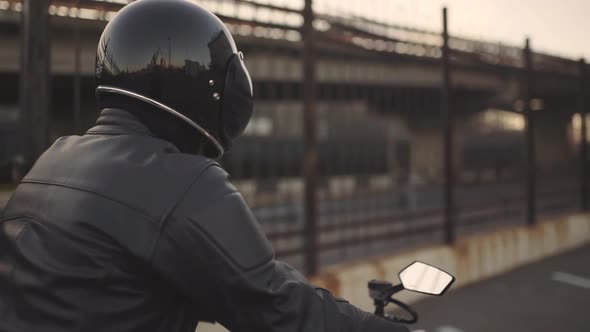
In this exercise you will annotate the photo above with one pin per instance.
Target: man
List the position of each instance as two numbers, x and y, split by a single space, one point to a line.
132 227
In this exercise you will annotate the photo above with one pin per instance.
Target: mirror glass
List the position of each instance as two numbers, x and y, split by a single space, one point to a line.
421 277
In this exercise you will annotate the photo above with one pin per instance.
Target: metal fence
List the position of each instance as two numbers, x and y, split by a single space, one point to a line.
339 169
368 196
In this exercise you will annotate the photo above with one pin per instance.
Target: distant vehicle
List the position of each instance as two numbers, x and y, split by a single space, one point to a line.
351 141
499 151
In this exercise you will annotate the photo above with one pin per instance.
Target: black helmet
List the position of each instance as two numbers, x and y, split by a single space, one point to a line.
180 58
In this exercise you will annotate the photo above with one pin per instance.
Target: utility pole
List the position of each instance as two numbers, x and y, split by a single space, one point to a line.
310 141
35 120
584 136
169 52
77 70
449 227
530 136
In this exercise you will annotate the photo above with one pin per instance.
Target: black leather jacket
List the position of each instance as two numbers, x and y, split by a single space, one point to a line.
116 230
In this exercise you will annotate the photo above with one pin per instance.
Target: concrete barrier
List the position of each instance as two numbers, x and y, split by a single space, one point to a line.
471 259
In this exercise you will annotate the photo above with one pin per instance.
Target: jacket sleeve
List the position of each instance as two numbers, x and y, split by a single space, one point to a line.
213 251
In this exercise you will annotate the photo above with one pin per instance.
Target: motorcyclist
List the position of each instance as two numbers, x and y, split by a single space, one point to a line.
133 226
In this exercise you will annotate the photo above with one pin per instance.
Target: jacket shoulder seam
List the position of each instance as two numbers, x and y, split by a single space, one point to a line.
53 183
165 217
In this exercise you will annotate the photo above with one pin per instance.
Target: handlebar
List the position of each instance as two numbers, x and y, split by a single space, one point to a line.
407 308
381 292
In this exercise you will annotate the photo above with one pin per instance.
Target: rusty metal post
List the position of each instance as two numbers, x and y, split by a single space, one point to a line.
35 120
77 65
583 143
310 160
449 227
530 136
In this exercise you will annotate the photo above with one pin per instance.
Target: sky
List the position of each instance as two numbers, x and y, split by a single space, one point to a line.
559 27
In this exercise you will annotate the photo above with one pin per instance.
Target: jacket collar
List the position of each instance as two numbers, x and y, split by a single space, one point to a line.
113 121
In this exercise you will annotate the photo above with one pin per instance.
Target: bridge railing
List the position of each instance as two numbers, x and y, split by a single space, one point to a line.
264 20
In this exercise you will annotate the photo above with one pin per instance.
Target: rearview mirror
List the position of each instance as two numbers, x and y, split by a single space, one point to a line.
424 278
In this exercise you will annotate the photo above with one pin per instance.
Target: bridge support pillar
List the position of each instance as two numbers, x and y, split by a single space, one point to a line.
310 160
530 136
449 227
583 142
34 79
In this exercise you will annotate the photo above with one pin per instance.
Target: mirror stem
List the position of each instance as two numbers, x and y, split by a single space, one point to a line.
395 289
380 308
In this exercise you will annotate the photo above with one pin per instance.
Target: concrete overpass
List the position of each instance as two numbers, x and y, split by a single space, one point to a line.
342 59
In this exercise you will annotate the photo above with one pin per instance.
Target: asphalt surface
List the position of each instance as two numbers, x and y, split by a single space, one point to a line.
552 295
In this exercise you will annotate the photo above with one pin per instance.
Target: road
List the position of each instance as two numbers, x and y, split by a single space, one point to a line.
552 295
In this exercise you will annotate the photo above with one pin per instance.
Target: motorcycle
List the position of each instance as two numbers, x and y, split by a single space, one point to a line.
417 277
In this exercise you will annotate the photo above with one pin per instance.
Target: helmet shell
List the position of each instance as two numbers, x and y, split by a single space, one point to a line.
177 56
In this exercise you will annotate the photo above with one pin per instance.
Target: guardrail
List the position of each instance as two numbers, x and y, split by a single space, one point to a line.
367 235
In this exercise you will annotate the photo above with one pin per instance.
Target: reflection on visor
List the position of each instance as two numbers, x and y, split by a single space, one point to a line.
237 102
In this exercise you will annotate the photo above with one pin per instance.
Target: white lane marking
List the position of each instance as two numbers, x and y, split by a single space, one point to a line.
571 279
447 328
